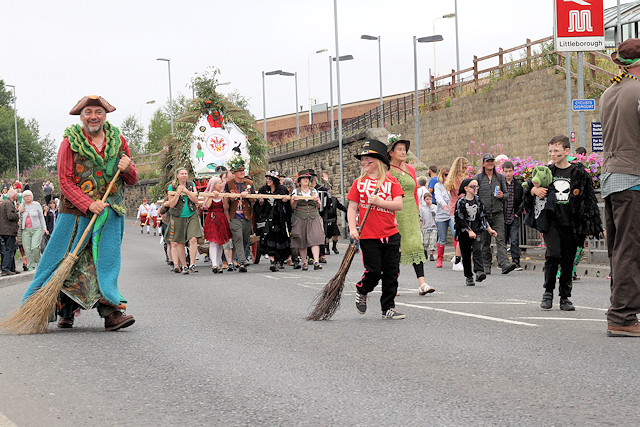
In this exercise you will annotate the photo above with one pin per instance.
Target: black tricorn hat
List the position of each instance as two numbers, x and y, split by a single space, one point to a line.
374 148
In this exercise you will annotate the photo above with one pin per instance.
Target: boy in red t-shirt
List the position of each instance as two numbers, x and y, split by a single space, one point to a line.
379 237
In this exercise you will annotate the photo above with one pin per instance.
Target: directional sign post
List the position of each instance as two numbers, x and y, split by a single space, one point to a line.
579 27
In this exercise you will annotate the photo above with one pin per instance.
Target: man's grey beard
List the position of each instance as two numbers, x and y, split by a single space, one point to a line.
91 132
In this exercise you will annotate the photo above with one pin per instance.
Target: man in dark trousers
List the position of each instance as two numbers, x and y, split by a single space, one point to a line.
512 212
620 182
493 186
8 231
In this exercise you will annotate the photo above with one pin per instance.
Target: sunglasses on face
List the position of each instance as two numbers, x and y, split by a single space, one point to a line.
445 174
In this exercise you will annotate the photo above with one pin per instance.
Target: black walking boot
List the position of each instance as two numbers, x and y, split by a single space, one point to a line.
334 248
547 300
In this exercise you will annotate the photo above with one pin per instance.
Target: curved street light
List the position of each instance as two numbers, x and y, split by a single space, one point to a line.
429 39
309 78
367 37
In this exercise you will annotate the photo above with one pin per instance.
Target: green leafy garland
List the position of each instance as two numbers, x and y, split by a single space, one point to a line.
80 144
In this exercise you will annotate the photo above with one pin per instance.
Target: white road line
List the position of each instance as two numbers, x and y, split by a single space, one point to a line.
474 302
577 306
562 318
461 313
6 422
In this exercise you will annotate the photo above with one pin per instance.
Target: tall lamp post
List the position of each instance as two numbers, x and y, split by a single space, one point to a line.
15 122
153 101
287 74
447 16
331 60
170 96
455 12
428 39
366 37
309 77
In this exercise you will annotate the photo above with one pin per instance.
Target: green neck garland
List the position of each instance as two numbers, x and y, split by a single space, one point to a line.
80 144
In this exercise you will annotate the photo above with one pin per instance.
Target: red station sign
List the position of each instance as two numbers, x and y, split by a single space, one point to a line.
579 25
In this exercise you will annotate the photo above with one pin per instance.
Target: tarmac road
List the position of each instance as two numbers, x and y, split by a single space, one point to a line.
234 349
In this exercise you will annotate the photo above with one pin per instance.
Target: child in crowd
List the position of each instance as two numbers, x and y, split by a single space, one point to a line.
216 225
379 237
470 222
428 225
576 216
512 213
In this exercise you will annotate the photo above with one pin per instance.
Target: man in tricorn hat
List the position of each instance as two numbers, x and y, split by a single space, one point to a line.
620 182
88 158
239 210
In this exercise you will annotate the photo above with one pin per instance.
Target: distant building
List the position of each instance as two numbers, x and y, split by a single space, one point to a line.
629 18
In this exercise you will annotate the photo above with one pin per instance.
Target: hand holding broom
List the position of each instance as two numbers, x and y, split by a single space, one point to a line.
32 317
328 300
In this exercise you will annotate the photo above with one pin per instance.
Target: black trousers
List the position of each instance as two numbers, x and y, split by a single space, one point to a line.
381 258
561 250
468 247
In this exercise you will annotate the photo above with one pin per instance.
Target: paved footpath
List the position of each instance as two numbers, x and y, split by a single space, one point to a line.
234 349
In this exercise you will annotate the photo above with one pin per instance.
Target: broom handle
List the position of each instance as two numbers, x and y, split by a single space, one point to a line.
366 213
95 215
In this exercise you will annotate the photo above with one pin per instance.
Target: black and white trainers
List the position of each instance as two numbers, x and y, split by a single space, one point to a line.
361 303
242 267
185 270
393 314
193 269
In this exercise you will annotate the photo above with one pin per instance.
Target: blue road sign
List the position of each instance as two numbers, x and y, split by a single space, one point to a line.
584 105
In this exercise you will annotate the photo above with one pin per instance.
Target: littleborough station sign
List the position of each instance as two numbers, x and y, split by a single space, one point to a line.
579 25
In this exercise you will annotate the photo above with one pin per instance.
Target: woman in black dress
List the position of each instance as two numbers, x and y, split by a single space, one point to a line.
272 221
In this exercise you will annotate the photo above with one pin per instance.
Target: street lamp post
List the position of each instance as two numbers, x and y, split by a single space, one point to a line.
15 122
447 16
428 39
331 60
309 77
153 101
170 96
366 37
286 74
455 12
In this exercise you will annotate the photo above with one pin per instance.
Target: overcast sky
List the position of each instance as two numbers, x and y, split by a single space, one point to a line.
55 52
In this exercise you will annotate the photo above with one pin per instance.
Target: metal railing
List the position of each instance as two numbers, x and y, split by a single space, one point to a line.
485 69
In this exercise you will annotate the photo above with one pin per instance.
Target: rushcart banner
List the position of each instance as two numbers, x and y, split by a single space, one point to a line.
216 141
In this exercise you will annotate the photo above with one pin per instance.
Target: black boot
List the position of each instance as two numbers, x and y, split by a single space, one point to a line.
335 249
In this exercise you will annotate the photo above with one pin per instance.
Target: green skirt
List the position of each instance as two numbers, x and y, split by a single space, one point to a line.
412 251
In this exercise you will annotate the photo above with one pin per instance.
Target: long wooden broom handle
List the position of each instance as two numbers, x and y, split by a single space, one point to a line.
366 213
95 215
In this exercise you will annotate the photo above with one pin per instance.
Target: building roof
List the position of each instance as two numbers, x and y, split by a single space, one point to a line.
629 14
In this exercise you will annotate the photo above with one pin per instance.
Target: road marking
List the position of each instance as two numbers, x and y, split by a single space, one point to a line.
474 302
577 306
462 313
562 318
6 422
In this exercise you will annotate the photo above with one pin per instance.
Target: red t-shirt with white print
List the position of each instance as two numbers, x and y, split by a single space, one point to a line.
380 222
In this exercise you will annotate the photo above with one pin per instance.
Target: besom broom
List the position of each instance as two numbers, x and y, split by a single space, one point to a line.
32 317
328 300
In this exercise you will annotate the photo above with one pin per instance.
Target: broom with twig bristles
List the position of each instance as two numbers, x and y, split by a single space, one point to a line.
32 317
328 299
